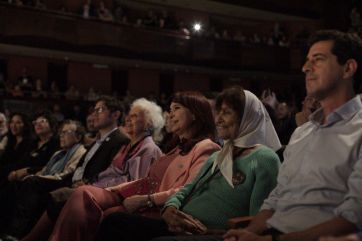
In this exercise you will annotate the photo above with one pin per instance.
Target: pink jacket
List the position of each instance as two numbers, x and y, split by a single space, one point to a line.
183 169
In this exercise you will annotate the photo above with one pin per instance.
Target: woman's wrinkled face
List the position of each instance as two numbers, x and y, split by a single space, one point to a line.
136 122
180 120
68 136
16 125
227 122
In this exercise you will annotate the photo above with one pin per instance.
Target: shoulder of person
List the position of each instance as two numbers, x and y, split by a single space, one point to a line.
119 136
207 143
264 154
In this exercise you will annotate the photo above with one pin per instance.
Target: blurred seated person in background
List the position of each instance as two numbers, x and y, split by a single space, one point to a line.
38 91
45 126
91 133
104 13
17 150
72 93
25 82
3 133
76 113
99 156
310 105
233 182
192 121
16 91
57 113
31 193
54 91
19 145
88 10
285 122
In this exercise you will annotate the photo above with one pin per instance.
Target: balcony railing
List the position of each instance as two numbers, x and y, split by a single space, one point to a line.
53 30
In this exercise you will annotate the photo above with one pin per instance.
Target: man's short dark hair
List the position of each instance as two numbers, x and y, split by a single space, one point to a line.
111 103
345 46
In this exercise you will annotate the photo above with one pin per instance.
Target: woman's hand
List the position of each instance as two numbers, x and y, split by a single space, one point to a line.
135 202
180 222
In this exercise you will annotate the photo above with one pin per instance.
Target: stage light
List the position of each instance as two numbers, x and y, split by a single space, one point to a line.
197 27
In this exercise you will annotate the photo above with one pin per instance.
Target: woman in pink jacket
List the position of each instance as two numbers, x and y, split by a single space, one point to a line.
191 120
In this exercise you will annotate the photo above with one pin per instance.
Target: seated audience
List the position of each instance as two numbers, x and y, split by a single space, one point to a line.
318 191
38 91
233 182
192 122
143 125
106 114
3 133
18 148
104 13
31 191
91 133
16 151
284 122
72 93
309 106
45 126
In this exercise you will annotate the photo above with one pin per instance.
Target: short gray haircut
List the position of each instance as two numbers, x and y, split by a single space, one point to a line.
153 112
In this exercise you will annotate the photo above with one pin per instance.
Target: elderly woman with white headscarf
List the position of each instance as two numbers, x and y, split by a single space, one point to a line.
233 182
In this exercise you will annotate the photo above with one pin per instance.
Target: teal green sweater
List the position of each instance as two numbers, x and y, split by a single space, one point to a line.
217 201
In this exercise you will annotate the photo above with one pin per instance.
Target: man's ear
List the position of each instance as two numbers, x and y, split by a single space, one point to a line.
350 68
116 114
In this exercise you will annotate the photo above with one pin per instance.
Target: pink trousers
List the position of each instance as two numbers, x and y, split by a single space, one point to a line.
83 212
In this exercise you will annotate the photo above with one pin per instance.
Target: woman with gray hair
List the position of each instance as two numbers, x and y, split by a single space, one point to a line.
153 114
143 122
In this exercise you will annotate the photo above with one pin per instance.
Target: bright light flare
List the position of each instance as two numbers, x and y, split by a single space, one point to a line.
197 27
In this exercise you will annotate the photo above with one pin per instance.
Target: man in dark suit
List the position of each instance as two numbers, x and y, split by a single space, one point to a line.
106 115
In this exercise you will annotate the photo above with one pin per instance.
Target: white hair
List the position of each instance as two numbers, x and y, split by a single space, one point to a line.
153 113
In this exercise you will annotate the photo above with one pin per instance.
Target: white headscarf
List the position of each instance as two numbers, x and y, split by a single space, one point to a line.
256 127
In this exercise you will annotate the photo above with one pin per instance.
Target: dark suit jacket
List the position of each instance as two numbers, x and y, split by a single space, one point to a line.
103 157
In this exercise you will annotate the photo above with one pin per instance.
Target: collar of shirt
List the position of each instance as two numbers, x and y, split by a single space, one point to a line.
105 137
344 112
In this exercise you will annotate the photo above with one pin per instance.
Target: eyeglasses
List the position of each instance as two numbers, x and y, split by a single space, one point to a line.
99 110
39 121
66 132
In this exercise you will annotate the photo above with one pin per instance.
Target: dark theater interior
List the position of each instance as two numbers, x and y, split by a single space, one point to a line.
180 120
